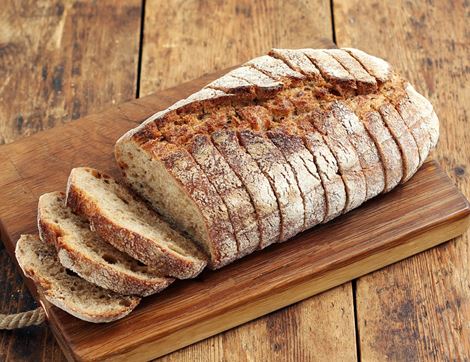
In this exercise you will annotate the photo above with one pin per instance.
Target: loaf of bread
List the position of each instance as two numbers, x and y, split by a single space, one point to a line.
287 141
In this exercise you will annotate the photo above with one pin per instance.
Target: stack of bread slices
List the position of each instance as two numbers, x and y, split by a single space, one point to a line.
287 141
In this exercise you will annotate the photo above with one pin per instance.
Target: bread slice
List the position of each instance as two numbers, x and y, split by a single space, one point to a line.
336 138
129 225
327 166
403 138
387 147
84 252
76 296
231 190
367 152
279 173
297 156
168 177
306 173
255 182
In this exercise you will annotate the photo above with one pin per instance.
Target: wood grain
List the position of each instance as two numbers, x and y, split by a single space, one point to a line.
62 60
430 208
419 309
59 60
185 39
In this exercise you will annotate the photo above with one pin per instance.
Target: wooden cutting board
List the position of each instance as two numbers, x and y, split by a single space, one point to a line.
428 210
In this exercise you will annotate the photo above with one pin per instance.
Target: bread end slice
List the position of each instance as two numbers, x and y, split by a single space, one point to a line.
66 291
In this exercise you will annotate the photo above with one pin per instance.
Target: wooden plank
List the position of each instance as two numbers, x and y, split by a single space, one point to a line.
58 62
185 41
431 210
419 309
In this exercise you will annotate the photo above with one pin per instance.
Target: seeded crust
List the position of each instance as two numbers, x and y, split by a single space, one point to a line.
130 226
232 192
76 296
256 183
84 252
299 97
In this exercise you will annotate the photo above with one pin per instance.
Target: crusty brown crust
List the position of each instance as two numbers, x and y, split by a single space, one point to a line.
367 152
336 138
403 138
279 173
231 191
365 83
139 247
256 184
306 173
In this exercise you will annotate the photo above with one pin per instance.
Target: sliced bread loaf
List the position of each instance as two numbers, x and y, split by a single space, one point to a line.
355 156
129 225
84 252
76 296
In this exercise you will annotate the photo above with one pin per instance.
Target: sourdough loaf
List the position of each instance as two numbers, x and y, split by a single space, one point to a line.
84 252
126 222
61 287
284 142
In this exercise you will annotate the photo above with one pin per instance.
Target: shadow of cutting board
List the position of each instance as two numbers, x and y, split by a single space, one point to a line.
426 211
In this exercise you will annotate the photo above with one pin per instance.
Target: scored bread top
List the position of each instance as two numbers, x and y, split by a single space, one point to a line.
333 102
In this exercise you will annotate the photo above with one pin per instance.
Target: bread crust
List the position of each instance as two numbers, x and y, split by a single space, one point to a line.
187 173
335 136
279 173
256 184
367 152
387 147
403 138
365 83
231 190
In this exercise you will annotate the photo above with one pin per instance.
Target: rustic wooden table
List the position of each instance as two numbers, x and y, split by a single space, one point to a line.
60 60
